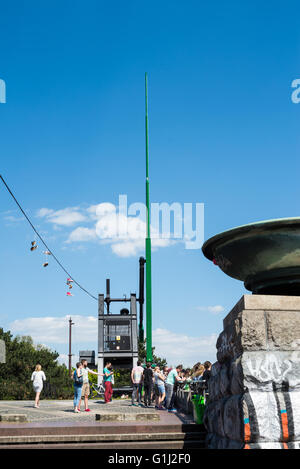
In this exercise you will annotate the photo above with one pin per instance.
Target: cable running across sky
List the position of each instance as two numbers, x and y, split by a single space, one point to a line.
47 247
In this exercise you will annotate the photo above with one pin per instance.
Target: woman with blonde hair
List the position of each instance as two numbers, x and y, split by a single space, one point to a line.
38 377
197 375
159 379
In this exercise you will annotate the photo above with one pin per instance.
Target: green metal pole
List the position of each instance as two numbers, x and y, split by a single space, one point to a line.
148 242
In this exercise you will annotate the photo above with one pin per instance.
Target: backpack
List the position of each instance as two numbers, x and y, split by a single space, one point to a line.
77 379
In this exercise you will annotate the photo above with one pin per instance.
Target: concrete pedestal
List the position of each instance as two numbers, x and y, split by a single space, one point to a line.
254 390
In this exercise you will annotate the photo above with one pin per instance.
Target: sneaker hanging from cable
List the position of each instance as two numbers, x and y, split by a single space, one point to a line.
47 253
33 246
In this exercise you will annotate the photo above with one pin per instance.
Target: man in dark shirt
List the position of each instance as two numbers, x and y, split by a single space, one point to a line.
148 384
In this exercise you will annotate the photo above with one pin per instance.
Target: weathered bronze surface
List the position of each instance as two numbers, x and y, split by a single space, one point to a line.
264 255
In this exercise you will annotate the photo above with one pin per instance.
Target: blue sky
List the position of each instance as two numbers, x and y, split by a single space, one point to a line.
223 132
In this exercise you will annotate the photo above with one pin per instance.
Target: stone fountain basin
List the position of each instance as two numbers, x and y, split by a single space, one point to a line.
264 255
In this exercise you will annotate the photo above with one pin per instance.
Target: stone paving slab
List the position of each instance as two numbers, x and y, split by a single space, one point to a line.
59 413
62 410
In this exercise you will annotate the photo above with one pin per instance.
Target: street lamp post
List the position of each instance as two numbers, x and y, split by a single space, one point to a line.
70 346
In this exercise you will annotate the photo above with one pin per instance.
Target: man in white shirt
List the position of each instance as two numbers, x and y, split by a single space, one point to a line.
86 386
137 383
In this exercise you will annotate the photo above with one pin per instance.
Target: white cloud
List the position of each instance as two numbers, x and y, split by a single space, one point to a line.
66 217
212 309
125 234
63 359
55 330
82 234
44 212
103 209
174 346
183 349
10 216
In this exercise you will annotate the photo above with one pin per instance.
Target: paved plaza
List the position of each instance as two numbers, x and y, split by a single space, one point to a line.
62 410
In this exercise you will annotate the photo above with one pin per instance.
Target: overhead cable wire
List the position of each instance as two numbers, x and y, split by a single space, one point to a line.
44 243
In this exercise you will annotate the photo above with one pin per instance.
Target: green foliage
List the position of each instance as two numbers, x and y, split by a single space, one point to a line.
93 378
122 377
21 359
161 362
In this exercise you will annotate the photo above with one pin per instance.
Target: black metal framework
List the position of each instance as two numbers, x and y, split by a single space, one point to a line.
117 333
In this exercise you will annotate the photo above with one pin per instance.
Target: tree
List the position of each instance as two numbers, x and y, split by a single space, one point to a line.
21 358
161 362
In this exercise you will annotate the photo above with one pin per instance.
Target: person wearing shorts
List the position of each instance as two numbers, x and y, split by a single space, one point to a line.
85 392
38 377
160 387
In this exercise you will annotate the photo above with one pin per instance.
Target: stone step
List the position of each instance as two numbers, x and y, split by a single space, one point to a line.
97 429
130 445
84 438
6 417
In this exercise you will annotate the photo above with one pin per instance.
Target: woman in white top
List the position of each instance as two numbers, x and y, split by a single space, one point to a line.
159 379
38 377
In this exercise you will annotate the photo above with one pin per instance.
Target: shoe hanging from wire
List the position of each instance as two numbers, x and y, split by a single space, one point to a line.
69 283
46 263
33 246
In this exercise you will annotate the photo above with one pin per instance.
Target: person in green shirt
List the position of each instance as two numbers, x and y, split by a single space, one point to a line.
107 378
169 386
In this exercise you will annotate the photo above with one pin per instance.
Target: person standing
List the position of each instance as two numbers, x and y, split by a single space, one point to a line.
159 378
172 378
207 370
166 370
38 377
86 386
78 383
198 375
148 384
137 374
107 379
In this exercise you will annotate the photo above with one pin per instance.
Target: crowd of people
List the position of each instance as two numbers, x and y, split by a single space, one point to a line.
151 385
154 385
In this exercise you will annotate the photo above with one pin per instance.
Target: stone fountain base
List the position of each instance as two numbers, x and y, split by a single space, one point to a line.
254 390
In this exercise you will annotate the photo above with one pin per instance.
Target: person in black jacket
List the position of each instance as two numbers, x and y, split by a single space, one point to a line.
207 372
148 384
